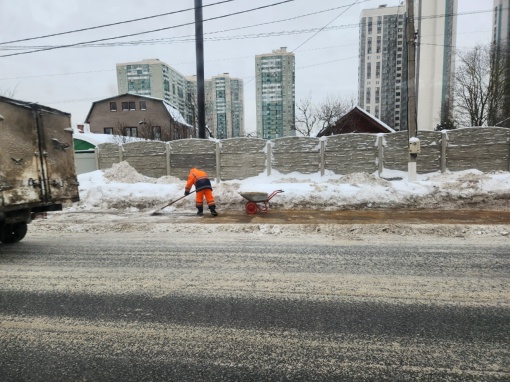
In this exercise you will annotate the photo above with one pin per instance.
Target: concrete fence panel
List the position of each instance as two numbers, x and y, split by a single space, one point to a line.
242 158
351 153
429 159
147 158
486 149
396 151
481 148
108 154
300 154
188 153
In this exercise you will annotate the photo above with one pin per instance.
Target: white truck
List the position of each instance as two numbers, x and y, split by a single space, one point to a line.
37 169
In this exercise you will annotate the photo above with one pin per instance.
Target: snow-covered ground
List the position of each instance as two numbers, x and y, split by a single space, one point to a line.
122 189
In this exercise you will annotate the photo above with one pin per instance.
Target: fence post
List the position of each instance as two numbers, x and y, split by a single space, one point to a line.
323 156
269 159
96 152
167 152
120 153
380 150
218 169
444 143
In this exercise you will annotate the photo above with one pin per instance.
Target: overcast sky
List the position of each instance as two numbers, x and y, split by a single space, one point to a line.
70 79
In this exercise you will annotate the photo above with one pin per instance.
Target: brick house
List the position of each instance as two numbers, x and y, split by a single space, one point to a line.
138 116
357 121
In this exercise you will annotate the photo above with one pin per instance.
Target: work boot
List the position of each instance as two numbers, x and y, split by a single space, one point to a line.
200 211
213 211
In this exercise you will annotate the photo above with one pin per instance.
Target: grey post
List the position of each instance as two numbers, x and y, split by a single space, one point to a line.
218 169
444 144
268 156
167 152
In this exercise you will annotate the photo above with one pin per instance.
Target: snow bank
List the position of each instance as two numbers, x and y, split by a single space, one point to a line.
122 188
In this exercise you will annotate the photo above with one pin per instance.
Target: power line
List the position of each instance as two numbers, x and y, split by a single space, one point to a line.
184 39
243 27
170 39
145 32
172 64
320 30
219 38
112 24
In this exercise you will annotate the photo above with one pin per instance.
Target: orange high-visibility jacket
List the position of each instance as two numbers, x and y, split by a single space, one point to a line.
199 179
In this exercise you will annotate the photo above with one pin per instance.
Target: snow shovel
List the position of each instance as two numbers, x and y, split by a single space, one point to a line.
158 210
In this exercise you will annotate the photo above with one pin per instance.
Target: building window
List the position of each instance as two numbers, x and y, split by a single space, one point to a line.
369 45
143 105
369 26
378 48
108 130
125 106
130 131
113 106
156 133
368 96
378 70
369 70
132 106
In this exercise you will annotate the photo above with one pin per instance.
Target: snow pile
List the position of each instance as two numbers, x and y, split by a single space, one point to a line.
123 172
122 188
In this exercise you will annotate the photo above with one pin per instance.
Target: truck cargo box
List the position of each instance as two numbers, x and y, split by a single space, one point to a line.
37 170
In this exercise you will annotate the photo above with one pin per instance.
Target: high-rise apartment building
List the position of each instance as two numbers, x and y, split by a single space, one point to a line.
435 59
224 106
382 87
224 94
275 94
500 115
156 79
500 23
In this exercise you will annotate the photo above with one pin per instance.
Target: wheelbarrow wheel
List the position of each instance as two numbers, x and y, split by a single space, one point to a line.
251 208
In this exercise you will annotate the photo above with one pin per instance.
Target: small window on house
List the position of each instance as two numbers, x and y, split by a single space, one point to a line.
130 131
132 106
113 106
125 106
143 105
108 130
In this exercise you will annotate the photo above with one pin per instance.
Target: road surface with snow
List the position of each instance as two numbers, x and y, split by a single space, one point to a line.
244 302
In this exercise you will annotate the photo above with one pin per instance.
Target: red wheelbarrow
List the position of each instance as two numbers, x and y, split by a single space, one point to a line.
254 198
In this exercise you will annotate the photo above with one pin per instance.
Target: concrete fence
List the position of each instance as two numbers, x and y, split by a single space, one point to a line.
486 149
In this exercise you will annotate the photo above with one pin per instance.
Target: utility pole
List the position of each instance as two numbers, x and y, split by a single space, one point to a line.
414 146
199 47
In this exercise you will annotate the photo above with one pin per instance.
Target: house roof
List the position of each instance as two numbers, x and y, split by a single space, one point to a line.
32 105
357 121
172 111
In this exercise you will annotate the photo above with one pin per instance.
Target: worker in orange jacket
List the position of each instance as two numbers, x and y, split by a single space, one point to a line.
200 180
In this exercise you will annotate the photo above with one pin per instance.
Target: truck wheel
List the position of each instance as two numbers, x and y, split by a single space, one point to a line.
12 233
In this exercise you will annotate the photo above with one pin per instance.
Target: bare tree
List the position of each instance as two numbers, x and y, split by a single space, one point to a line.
480 85
312 120
9 93
446 117
122 133
306 117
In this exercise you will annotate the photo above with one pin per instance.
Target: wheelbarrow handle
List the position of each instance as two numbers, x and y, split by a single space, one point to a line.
273 194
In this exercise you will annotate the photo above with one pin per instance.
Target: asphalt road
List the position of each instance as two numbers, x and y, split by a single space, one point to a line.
207 305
